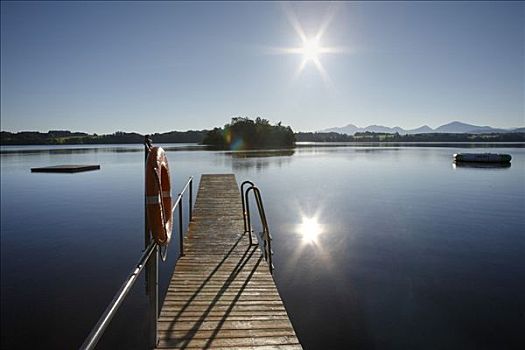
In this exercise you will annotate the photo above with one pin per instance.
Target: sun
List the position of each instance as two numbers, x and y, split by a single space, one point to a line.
311 49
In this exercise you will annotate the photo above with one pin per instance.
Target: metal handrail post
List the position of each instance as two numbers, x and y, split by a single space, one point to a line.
152 271
181 234
153 293
147 145
190 200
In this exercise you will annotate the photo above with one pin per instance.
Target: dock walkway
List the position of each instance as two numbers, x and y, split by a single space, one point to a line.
222 294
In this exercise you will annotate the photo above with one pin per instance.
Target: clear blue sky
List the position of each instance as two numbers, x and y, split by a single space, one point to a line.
148 67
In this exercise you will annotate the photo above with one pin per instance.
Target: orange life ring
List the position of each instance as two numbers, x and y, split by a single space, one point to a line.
158 196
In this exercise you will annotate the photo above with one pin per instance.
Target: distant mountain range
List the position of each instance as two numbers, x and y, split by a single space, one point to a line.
452 128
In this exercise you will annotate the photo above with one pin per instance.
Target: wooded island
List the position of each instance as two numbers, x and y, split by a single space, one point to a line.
244 133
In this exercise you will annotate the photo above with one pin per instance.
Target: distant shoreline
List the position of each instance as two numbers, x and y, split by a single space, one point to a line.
197 136
135 147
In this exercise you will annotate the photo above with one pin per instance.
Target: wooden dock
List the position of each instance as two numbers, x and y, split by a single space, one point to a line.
222 295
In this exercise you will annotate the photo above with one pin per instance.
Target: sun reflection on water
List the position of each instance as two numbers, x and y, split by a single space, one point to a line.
310 229
313 235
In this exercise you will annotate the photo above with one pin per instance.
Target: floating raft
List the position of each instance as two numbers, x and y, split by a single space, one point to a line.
65 168
482 157
222 295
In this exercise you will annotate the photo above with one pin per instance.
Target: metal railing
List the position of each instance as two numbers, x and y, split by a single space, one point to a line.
150 260
178 203
264 238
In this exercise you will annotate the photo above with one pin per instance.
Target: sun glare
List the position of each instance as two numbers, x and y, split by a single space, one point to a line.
311 49
310 229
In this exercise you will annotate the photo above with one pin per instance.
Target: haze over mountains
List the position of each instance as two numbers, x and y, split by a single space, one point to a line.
453 127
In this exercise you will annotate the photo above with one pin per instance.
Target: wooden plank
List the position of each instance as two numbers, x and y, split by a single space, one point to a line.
221 294
67 168
212 343
224 333
254 347
263 347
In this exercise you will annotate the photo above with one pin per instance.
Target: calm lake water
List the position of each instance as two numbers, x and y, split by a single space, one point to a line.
375 247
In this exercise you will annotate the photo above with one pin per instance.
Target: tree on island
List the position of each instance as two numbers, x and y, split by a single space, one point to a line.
244 133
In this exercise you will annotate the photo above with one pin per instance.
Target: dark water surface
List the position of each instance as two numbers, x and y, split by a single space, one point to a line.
375 247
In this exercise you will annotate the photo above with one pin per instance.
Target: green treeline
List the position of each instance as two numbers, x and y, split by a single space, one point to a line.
64 137
244 133
190 136
427 137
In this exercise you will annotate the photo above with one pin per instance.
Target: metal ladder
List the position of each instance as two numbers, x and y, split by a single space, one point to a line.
264 238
